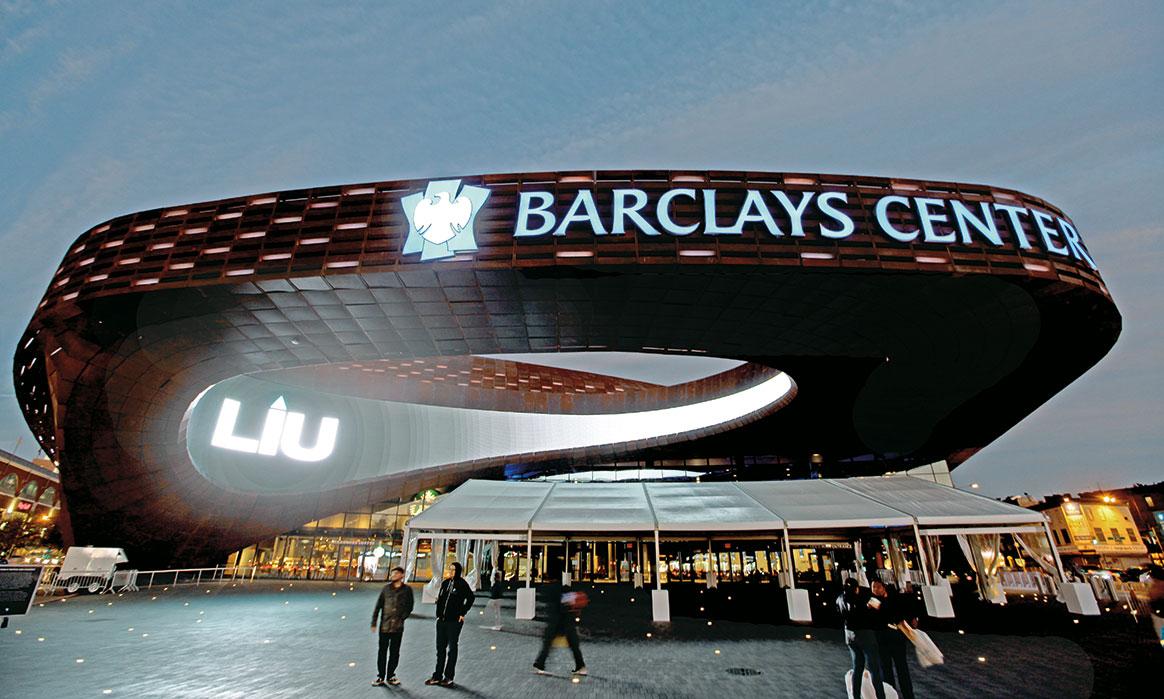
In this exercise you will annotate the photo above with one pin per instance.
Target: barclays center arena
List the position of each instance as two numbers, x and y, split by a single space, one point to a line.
284 379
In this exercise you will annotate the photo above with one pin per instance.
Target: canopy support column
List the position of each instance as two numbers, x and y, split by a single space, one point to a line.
528 555
788 560
799 607
921 552
566 577
712 568
526 601
660 598
658 563
406 551
936 597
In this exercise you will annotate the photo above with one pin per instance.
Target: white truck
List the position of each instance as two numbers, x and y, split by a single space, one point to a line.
89 568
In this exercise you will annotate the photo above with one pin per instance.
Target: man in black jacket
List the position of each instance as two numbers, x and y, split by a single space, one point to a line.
392 608
453 602
856 607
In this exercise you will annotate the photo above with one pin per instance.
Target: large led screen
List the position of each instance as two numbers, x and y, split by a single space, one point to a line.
249 434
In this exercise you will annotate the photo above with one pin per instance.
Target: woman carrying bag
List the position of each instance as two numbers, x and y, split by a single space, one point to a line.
894 616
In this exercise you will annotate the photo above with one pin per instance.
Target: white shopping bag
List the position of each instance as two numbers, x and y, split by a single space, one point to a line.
927 651
867 691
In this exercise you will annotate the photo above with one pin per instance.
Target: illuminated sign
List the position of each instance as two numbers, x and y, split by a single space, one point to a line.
780 213
282 431
440 219
22 506
241 435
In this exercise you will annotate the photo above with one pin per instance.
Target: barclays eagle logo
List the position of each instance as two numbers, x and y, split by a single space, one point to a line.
440 219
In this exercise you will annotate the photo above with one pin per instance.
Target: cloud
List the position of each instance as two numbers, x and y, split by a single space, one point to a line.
74 68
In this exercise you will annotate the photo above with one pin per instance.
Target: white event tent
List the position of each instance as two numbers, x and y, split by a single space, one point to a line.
482 510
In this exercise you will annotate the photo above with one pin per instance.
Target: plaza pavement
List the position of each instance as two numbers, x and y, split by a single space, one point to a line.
271 639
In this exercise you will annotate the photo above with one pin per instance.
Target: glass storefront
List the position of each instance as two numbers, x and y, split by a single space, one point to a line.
344 546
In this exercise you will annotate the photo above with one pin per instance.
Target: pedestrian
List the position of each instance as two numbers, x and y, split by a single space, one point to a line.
392 608
496 590
453 602
896 609
560 610
856 605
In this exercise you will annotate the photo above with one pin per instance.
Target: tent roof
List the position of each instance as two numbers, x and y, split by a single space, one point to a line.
820 503
890 501
938 506
485 506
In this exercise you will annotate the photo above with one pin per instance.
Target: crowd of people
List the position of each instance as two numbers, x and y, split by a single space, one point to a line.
879 624
454 600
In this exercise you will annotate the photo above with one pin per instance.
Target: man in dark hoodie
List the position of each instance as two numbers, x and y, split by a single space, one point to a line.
392 608
453 602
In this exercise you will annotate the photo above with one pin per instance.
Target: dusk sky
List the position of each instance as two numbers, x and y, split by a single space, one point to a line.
110 108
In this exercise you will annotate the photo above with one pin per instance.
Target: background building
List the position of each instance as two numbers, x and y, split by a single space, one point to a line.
31 502
1116 529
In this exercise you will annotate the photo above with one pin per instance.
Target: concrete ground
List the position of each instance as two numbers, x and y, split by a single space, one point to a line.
313 640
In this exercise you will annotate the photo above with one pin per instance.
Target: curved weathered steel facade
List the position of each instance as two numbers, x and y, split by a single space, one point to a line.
902 352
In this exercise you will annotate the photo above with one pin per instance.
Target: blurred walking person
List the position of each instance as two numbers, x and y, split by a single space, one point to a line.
453 602
392 608
496 591
560 610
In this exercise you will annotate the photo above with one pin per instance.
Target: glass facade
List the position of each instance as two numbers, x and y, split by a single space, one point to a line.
361 545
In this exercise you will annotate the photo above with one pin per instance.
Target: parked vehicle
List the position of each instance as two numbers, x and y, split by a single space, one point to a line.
88 568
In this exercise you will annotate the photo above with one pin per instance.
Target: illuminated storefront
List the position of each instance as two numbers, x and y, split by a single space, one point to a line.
29 508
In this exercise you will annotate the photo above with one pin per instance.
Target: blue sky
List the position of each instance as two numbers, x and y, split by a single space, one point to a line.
109 108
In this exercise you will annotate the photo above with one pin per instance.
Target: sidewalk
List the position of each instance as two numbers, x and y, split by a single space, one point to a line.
314 640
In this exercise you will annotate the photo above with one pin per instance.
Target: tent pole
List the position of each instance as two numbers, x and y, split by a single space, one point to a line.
788 559
638 558
658 563
921 552
406 550
528 555
1054 550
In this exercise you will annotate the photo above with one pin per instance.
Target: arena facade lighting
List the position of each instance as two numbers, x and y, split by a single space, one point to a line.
210 374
